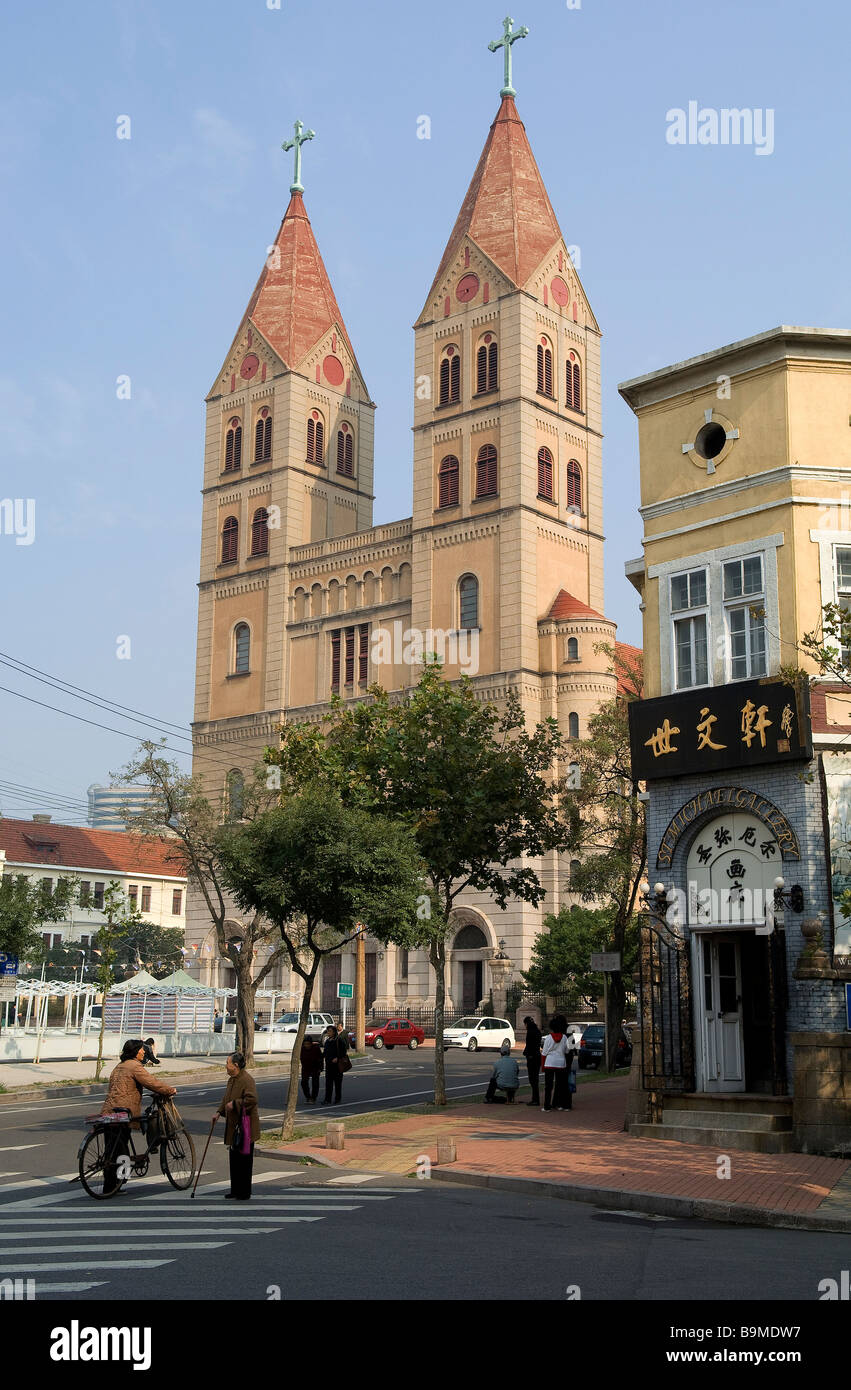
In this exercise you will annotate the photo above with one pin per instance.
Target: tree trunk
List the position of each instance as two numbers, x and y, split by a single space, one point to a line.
437 956
288 1124
245 991
614 1016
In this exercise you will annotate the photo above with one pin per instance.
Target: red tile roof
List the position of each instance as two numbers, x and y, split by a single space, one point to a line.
293 304
506 212
566 606
78 847
631 669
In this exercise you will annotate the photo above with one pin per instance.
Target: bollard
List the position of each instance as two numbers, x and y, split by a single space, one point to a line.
335 1135
446 1151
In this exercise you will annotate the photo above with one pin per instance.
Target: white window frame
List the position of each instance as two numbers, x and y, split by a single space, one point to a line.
681 615
713 561
842 596
744 602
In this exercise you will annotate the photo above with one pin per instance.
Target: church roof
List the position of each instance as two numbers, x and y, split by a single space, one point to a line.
567 606
293 304
506 212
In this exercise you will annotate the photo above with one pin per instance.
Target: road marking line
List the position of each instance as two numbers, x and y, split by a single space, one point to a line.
172 1230
15 1148
41 1288
100 1249
84 1264
16 1174
353 1178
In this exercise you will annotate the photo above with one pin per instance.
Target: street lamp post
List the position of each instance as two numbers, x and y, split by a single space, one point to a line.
360 990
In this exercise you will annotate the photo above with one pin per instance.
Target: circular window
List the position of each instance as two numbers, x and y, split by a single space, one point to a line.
250 366
710 440
561 294
467 287
334 371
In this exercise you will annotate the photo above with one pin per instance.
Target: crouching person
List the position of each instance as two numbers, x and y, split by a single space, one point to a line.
505 1076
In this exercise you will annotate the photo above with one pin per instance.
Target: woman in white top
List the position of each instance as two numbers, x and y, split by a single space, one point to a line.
558 1061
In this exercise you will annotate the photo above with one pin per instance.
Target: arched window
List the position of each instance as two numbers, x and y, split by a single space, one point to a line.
573 726
545 368
447 482
450 377
241 649
545 474
346 452
572 649
230 541
486 366
575 866
573 378
235 794
468 596
233 446
470 938
486 474
260 532
315 438
574 486
263 436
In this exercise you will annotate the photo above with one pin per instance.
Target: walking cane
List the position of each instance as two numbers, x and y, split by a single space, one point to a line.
204 1155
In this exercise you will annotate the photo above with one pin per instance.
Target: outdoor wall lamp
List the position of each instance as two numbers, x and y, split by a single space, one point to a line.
794 898
657 901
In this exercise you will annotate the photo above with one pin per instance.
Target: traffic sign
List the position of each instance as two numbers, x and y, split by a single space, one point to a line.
606 961
8 987
345 991
8 964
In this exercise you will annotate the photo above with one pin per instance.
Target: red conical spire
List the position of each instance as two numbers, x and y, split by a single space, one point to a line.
293 304
506 212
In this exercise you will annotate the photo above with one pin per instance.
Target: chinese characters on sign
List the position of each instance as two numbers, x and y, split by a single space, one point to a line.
706 730
777 840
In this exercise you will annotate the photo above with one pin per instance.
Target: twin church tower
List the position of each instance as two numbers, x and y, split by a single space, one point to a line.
500 567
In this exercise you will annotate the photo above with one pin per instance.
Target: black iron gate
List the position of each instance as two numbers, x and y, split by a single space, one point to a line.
667 1035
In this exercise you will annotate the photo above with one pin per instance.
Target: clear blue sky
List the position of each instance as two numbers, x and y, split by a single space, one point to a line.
139 256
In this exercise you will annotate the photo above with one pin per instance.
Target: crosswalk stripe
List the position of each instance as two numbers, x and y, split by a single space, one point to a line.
84 1264
16 1174
15 1148
57 1248
41 1288
134 1230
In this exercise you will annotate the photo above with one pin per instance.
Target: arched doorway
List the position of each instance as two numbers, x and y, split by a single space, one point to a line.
732 865
468 954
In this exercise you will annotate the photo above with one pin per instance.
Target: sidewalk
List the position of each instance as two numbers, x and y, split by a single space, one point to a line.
584 1155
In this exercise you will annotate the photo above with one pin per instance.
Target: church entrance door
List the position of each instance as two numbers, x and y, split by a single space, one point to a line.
471 984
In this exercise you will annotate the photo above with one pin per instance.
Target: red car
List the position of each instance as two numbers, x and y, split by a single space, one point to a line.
396 1032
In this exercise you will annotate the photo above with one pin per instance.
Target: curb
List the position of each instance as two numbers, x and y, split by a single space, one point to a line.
655 1203
314 1155
98 1088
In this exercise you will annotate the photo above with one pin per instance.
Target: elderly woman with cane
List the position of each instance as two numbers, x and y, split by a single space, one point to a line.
242 1125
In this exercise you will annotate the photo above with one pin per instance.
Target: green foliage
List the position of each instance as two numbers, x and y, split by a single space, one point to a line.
26 905
561 955
146 946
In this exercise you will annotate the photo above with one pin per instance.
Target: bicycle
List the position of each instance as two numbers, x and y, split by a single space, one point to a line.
107 1157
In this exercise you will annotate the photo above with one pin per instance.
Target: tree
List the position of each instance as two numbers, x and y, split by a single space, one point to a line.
121 916
26 905
316 870
182 818
478 791
561 954
147 946
613 838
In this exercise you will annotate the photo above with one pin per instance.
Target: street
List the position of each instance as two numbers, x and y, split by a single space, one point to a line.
388 1238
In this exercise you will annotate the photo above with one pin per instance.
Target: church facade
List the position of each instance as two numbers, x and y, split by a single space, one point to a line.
499 568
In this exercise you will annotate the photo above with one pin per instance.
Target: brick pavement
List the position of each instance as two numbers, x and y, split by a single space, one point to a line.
587 1147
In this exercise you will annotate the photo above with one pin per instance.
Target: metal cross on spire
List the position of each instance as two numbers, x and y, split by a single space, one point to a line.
510 36
298 140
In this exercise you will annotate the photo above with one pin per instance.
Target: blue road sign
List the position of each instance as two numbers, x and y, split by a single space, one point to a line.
8 964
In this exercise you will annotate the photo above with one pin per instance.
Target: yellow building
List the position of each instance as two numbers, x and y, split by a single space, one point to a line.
500 566
745 469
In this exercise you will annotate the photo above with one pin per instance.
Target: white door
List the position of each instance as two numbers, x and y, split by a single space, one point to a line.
721 1033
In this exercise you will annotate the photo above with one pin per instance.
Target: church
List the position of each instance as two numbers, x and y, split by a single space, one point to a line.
499 567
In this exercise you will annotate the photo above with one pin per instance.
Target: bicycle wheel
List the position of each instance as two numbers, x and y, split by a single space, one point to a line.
177 1159
98 1163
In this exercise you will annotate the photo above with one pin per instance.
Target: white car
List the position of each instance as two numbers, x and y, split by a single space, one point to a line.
288 1023
478 1033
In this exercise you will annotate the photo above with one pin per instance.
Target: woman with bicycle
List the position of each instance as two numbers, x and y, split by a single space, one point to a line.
124 1093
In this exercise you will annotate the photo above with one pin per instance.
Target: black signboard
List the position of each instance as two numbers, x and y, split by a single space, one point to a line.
745 724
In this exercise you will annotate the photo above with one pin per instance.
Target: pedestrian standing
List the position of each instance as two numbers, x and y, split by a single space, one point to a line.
556 1049
333 1050
532 1053
242 1125
311 1069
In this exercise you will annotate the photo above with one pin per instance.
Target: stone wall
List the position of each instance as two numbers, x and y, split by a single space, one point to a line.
821 1112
